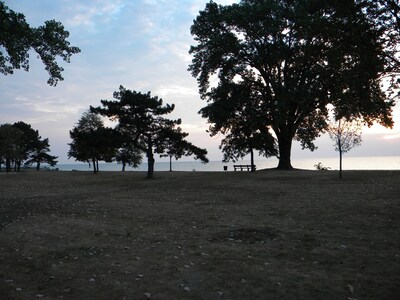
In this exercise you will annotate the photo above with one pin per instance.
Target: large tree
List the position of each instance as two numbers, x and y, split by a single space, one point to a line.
49 41
142 116
298 57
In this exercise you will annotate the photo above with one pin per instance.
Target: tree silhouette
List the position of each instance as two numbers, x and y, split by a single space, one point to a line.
39 154
11 149
297 57
237 112
92 142
48 41
141 116
346 135
175 146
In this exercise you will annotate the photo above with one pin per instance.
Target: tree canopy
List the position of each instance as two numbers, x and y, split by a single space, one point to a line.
49 41
141 117
92 141
175 146
20 143
294 58
346 135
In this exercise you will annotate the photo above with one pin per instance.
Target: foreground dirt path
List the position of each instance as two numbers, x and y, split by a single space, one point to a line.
193 235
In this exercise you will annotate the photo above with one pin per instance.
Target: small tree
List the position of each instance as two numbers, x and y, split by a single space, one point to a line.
346 135
175 146
91 141
39 154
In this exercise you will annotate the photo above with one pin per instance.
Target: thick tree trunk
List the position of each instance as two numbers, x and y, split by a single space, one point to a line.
285 149
150 159
97 165
123 166
37 166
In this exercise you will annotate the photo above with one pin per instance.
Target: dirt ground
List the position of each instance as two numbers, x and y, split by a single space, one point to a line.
194 235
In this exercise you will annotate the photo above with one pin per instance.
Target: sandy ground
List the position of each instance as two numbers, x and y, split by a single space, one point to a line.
193 235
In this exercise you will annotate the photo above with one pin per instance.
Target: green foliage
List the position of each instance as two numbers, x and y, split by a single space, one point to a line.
292 59
49 41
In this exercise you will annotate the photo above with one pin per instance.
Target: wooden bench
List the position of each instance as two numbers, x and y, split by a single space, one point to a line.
243 167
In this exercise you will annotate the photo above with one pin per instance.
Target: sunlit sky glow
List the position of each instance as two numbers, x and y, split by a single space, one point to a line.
143 45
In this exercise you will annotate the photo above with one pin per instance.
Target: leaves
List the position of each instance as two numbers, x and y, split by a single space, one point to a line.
291 59
17 38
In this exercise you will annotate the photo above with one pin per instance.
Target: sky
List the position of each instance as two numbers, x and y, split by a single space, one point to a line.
142 45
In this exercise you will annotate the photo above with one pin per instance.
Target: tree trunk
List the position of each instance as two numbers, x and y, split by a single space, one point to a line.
253 168
150 159
97 165
340 163
94 165
285 149
123 166
170 163
8 165
340 150
37 166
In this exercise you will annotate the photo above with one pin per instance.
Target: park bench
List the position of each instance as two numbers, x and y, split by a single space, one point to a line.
243 167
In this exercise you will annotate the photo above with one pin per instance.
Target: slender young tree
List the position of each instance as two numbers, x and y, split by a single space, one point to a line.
175 146
346 135
297 57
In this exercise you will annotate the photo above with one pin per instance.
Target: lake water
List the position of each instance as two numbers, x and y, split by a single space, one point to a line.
349 163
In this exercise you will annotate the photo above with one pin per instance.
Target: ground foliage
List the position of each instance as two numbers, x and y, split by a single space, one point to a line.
226 235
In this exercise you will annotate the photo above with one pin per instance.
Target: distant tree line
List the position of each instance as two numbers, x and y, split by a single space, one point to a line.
21 145
141 130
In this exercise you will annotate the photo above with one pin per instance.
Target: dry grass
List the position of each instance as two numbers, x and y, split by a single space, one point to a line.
268 235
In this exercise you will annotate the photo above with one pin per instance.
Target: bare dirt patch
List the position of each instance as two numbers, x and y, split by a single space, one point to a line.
193 235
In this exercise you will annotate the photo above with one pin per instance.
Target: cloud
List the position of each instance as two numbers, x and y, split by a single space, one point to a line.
93 13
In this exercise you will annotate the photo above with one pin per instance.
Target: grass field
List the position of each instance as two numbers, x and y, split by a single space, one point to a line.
193 235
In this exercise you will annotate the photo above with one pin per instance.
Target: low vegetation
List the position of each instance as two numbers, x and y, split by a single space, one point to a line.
194 235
